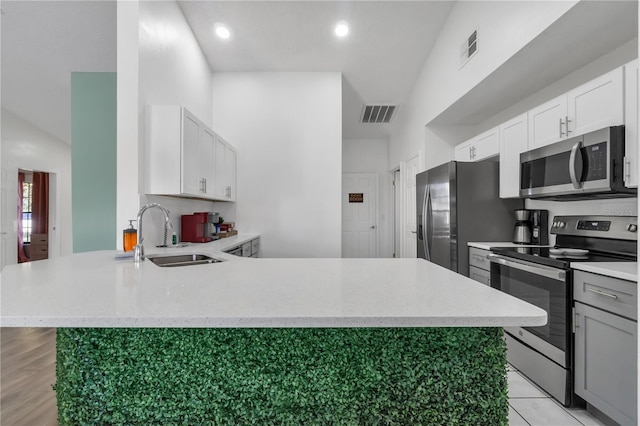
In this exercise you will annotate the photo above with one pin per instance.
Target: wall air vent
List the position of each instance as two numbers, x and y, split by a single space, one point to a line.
377 113
469 48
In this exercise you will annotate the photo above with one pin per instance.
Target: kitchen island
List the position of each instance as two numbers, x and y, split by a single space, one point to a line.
285 341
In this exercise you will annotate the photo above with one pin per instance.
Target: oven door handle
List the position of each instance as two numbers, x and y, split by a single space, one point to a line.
553 273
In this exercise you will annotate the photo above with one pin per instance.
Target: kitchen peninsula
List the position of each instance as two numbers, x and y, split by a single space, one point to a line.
286 341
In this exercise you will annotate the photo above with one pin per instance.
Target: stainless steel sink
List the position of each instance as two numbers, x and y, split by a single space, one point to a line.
182 260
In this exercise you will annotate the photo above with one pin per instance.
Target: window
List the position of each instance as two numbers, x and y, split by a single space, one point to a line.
27 198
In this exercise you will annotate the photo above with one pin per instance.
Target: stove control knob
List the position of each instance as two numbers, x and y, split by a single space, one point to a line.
632 227
561 224
554 225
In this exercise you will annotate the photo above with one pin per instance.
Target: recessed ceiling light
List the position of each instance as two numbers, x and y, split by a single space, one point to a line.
342 29
222 31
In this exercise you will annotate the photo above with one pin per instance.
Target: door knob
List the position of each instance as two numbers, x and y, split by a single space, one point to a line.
373 227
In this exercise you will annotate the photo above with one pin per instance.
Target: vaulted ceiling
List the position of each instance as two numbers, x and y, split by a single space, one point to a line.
43 41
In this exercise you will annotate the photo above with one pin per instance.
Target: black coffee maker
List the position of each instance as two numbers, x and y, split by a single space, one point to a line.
540 227
532 227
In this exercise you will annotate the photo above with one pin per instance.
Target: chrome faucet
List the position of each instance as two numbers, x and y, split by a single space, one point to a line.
138 251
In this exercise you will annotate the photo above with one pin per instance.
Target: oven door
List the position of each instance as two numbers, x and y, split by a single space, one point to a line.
545 287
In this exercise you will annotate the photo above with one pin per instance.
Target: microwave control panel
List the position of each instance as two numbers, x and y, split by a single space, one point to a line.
596 156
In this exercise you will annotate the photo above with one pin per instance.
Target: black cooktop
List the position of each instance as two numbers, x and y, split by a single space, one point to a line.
547 256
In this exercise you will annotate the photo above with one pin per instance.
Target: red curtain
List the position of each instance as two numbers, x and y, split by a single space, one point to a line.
22 257
40 203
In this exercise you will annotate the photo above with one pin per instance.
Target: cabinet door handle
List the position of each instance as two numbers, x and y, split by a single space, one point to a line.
567 121
627 170
561 132
602 293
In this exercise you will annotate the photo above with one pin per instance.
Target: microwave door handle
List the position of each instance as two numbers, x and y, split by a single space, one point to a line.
576 165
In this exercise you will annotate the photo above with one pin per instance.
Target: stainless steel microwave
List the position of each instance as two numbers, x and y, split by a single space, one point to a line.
586 166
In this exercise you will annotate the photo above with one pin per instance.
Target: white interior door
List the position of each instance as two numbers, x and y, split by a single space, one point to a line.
359 208
408 172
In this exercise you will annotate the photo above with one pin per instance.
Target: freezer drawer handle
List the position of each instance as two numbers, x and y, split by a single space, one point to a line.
553 273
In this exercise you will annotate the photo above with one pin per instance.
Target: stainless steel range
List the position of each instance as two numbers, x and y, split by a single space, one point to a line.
543 276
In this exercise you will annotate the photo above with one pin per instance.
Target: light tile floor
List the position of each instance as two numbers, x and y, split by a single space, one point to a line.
529 405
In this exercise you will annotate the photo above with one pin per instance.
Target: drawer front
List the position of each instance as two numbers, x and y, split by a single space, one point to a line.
478 258
38 252
246 249
611 294
480 275
40 239
255 246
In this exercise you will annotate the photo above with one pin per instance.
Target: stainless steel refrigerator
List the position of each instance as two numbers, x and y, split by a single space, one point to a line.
458 203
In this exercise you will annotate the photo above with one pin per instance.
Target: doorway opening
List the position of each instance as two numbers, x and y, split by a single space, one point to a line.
33 215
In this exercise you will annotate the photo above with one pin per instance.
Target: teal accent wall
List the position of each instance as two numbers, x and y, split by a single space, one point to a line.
93 160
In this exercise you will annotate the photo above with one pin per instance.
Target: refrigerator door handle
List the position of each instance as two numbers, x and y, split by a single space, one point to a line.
427 223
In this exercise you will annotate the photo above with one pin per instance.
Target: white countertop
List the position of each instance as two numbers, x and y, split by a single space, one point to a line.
623 270
95 290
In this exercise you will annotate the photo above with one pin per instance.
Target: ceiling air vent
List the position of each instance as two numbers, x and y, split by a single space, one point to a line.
469 48
377 113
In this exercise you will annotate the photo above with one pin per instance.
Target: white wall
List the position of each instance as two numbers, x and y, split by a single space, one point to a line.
607 62
287 129
25 146
159 62
372 156
504 28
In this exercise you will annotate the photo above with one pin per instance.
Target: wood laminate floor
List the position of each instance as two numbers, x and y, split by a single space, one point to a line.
27 372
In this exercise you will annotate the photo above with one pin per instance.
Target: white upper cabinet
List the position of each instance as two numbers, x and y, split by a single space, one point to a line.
190 181
478 148
225 170
206 162
513 142
594 105
181 155
631 124
546 122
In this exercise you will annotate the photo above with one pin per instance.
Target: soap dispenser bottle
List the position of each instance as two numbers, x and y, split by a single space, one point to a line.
129 237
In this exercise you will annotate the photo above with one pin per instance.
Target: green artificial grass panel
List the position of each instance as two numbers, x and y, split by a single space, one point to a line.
292 376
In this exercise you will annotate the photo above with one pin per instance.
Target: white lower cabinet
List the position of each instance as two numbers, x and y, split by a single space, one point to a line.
479 265
250 248
606 335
